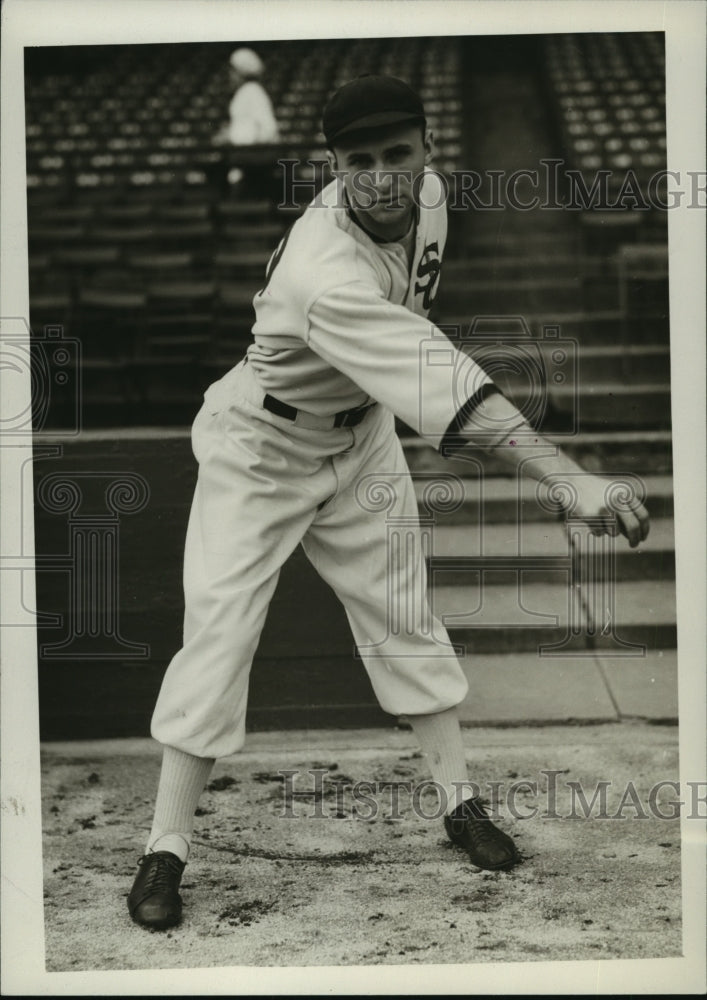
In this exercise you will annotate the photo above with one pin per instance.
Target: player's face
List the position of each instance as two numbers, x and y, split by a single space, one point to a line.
379 176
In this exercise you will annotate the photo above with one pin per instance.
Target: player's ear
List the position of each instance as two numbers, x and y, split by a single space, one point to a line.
331 160
428 143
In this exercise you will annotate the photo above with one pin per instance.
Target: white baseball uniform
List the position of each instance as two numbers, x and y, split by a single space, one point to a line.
340 324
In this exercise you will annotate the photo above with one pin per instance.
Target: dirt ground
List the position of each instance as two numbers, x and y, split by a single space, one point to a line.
363 881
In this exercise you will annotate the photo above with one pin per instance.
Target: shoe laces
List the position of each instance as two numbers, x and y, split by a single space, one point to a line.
164 868
474 817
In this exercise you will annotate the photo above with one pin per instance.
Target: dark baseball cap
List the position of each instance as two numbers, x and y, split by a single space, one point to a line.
370 102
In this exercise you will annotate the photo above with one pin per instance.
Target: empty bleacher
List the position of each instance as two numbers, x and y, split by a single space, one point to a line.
608 92
607 95
132 248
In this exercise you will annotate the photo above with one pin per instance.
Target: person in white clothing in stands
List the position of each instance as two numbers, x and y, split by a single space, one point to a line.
251 115
251 122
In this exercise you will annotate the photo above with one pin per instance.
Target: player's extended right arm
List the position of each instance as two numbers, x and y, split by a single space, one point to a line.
404 362
498 427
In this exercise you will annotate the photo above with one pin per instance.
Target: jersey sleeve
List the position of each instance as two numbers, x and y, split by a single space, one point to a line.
400 359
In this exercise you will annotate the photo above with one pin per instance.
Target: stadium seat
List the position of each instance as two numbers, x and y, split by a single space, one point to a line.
183 236
178 320
166 387
234 264
51 307
128 213
108 321
40 236
643 285
266 235
160 266
181 213
233 319
86 259
244 209
67 214
608 89
127 236
38 262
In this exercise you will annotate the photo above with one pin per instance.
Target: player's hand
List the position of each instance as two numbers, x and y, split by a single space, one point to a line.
603 504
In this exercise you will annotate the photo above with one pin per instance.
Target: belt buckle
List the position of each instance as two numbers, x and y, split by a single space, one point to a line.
350 418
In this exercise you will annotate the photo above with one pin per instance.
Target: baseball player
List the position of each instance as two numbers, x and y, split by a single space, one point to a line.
286 440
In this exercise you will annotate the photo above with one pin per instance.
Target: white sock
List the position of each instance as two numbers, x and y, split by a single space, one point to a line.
440 739
182 781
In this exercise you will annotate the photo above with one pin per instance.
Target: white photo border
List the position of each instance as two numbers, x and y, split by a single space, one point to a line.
87 22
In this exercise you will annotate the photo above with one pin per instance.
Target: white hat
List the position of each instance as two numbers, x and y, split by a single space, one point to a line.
247 62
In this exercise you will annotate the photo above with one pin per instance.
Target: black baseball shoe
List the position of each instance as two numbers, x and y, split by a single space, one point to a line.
487 846
154 899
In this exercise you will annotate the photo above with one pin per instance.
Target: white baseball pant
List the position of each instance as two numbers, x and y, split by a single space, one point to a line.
265 484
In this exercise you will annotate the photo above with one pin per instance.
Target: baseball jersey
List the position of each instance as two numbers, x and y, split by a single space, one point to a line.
342 319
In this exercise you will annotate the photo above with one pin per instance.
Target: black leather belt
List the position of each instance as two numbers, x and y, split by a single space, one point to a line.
345 418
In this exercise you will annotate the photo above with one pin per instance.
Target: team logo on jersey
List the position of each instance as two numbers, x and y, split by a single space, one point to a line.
429 268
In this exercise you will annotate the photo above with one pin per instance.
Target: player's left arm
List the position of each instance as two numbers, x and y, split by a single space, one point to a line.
497 426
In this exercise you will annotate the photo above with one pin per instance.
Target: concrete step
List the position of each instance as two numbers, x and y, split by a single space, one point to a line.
501 297
586 326
507 688
510 342
634 362
543 546
616 362
511 243
645 613
490 266
523 615
643 687
548 381
600 291
502 499
517 616
604 452
590 405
